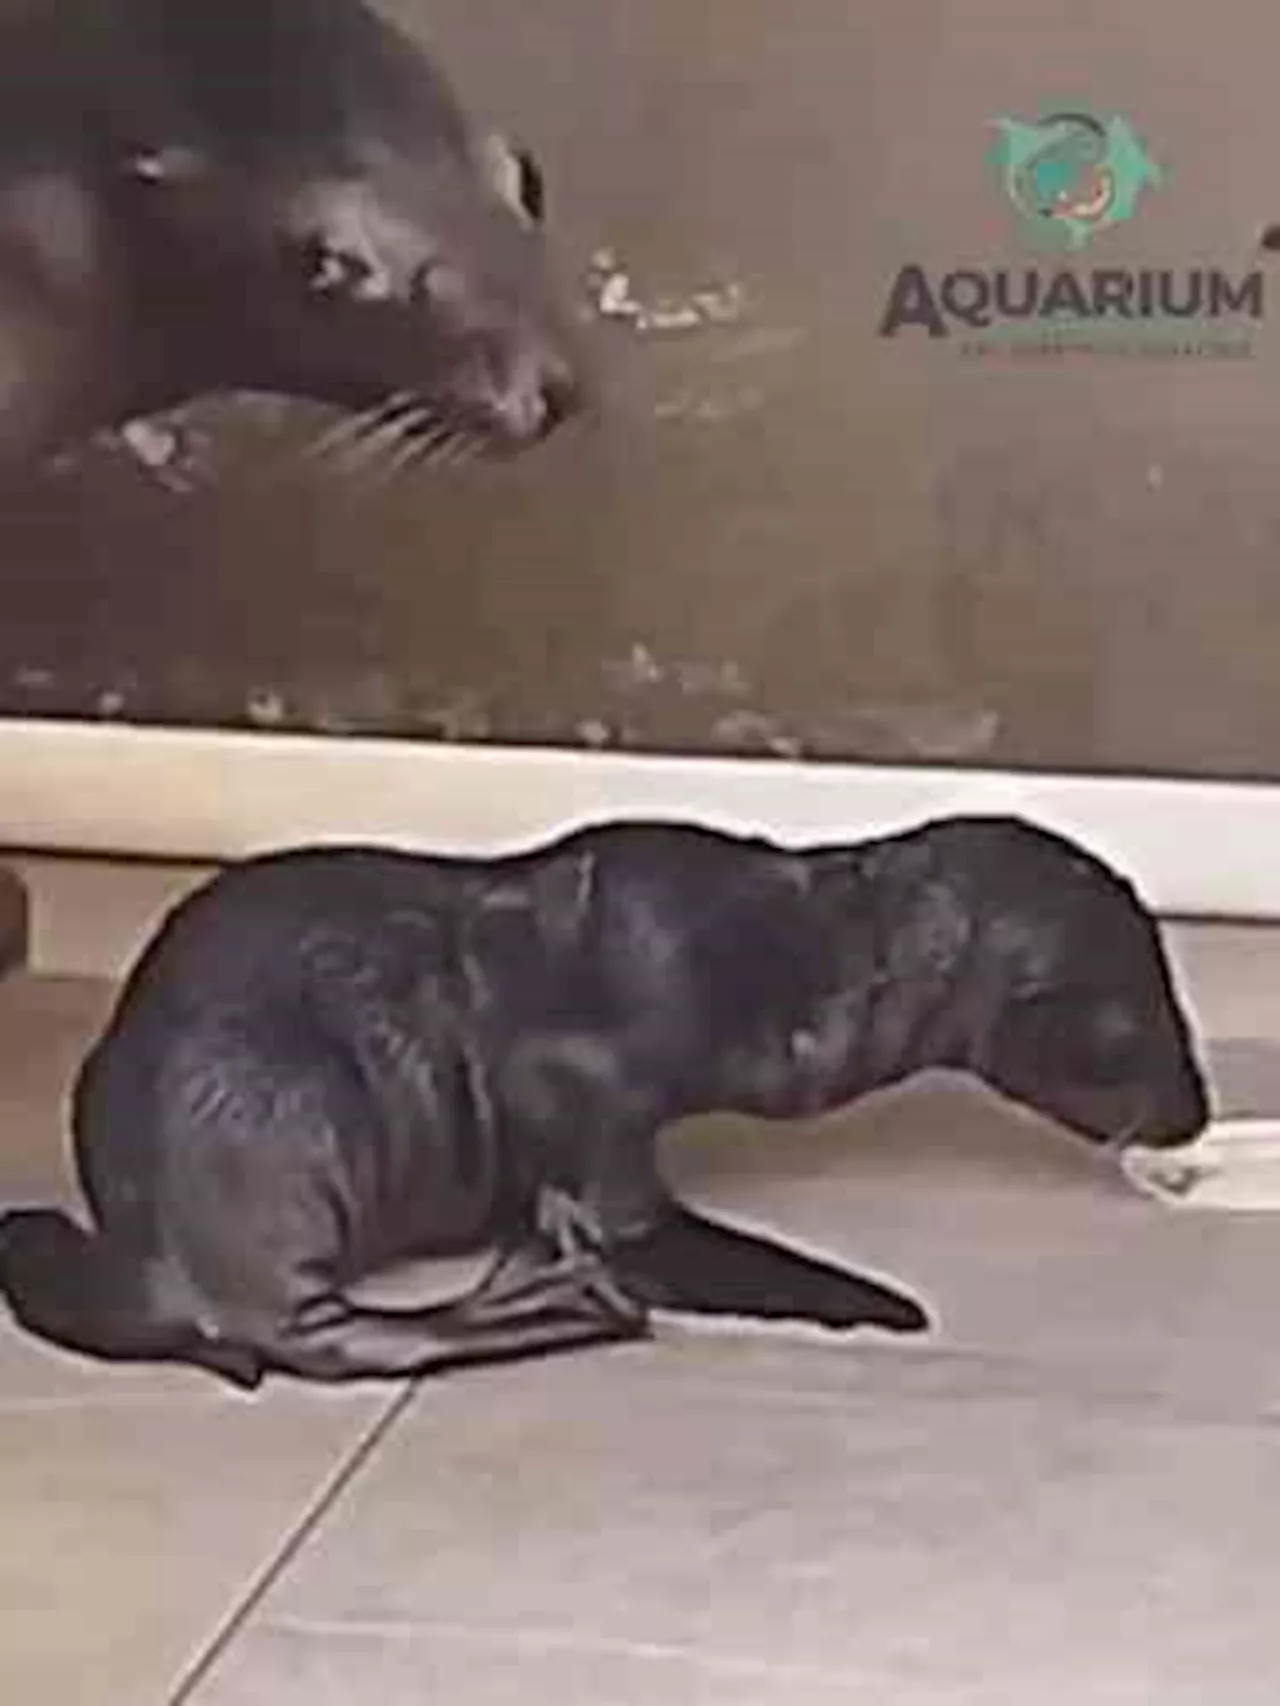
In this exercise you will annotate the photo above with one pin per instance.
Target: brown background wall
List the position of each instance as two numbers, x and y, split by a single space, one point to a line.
785 534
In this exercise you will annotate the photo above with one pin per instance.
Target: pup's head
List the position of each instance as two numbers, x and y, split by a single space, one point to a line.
1065 987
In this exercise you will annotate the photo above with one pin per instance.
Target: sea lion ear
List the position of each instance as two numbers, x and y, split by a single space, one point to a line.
515 174
166 163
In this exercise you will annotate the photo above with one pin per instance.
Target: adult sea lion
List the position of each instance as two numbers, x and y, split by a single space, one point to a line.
281 196
332 1058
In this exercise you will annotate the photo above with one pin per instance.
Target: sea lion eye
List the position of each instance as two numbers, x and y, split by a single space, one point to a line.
168 163
337 272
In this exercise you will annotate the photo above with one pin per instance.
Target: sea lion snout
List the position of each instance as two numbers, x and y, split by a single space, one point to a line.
540 395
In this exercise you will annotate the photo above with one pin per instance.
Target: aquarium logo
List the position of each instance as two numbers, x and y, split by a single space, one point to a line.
1070 177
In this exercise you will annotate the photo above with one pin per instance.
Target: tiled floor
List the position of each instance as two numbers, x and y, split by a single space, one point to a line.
1070 1493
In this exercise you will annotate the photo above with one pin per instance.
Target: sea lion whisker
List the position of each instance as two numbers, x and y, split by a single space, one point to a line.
352 428
425 446
417 451
423 440
470 447
372 446
465 447
411 451
437 450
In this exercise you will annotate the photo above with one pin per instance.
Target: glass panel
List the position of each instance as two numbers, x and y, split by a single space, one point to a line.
785 532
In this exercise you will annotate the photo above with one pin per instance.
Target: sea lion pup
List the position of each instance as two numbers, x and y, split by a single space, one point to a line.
332 1058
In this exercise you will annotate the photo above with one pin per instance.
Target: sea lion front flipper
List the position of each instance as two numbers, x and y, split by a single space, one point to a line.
688 1263
168 451
565 1265
555 1291
333 1339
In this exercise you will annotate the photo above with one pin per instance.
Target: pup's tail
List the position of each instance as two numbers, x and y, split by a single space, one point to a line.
69 1286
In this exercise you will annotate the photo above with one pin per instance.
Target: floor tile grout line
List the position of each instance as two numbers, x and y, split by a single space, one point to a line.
330 1491
550 1638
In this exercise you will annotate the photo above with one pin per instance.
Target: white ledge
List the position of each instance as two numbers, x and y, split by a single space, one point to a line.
1195 848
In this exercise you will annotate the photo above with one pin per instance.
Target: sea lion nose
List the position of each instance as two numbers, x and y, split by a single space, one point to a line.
563 396
547 396
1178 1114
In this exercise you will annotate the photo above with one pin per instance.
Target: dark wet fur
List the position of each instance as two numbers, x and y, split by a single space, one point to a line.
331 1059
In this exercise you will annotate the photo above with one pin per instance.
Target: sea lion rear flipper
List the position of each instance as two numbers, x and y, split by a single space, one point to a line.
688 1263
68 1286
